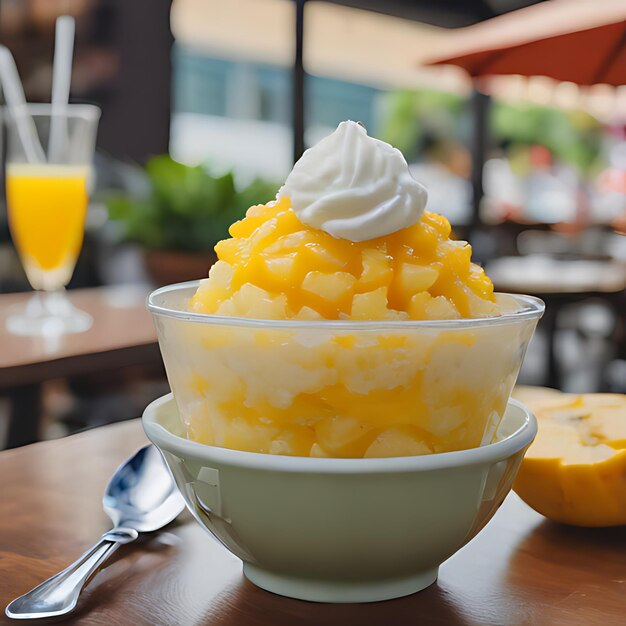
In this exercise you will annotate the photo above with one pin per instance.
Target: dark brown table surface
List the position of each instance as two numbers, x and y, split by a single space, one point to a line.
522 569
560 283
122 336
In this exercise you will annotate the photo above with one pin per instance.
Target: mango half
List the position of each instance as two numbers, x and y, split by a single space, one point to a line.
575 471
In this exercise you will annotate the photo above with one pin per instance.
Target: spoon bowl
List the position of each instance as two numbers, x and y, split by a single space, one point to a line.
141 494
140 497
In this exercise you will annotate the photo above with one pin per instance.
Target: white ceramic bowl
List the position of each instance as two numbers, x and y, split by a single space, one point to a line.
341 530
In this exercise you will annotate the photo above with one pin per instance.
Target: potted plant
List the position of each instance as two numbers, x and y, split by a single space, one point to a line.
184 213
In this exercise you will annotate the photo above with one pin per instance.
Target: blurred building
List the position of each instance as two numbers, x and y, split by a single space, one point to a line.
121 63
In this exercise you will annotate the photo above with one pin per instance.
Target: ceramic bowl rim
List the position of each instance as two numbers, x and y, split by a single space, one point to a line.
500 450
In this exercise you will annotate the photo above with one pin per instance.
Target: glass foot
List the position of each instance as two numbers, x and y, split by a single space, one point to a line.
47 314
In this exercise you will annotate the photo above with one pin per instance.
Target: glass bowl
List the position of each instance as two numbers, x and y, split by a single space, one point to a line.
346 389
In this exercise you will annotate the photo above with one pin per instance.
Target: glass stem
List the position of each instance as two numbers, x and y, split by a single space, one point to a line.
55 301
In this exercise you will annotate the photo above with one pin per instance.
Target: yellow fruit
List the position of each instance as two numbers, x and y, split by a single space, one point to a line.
273 251
575 471
377 270
307 313
412 279
215 290
398 442
440 308
418 304
479 307
254 301
318 452
343 436
330 287
370 306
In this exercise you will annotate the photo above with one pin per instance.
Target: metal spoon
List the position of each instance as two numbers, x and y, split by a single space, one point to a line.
141 497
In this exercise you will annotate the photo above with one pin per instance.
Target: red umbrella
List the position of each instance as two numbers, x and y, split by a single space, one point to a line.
583 41
580 41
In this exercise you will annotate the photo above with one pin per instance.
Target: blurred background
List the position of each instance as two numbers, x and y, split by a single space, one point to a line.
205 103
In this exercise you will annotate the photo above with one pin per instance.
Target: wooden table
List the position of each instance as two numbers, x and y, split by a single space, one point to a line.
122 335
559 283
538 274
521 570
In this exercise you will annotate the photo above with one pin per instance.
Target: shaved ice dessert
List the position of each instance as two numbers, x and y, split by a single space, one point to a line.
342 320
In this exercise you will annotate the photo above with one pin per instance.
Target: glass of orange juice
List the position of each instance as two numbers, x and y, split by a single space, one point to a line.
47 192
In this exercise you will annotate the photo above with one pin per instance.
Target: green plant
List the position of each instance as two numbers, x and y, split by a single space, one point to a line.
574 137
408 117
411 115
186 208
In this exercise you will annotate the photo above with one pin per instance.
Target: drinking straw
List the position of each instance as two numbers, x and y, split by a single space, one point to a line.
16 102
61 78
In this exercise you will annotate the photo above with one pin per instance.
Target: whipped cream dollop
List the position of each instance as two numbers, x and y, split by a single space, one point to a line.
354 187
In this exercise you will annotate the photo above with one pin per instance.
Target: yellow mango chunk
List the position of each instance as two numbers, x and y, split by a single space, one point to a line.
415 278
343 436
440 308
318 452
273 251
307 313
252 300
331 287
397 442
377 269
417 305
575 471
479 307
281 268
370 306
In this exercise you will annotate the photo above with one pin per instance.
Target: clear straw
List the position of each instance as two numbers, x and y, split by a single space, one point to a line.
61 78
16 102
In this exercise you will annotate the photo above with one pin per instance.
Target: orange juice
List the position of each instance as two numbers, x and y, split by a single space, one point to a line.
47 205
